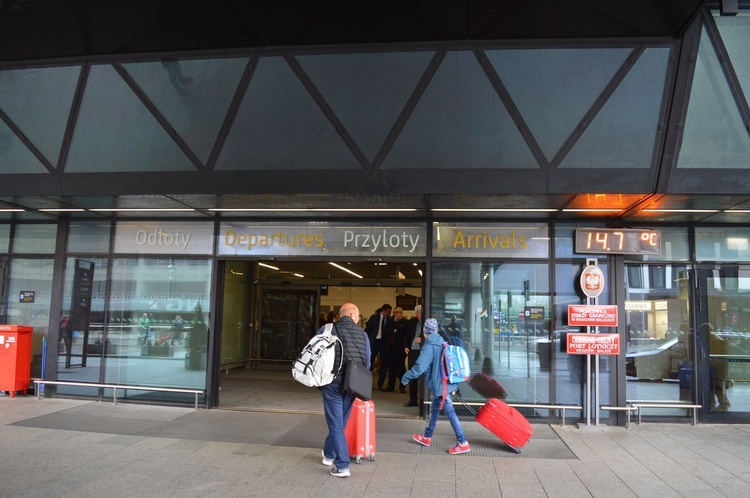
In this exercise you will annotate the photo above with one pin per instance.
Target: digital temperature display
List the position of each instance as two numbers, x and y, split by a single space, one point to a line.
617 241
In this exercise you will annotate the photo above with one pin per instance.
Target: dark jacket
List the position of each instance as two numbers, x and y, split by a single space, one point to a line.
398 329
355 343
371 328
411 331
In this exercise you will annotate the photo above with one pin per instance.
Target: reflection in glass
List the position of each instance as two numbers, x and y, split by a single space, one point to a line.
88 236
4 238
34 239
727 333
658 353
488 301
31 275
158 319
722 244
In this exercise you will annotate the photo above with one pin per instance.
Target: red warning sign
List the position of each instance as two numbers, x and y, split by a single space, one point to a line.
592 315
606 344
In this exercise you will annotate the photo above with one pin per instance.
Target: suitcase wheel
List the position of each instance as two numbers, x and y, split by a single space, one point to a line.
358 459
517 449
372 457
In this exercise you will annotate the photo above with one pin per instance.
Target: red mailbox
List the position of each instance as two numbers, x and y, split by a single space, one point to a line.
15 358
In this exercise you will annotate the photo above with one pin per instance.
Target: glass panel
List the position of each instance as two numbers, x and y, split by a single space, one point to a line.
460 120
570 370
158 318
715 136
722 243
15 157
115 131
735 33
288 320
488 299
72 337
38 101
4 238
193 95
729 339
623 133
263 137
88 236
658 362
236 319
31 275
675 246
34 239
366 91
554 89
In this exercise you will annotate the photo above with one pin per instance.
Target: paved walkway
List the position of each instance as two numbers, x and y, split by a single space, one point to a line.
58 447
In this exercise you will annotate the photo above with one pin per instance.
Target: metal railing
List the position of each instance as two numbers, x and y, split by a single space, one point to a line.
225 365
562 408
42 382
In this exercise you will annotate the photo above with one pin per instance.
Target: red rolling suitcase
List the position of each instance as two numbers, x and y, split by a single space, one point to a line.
360 431
487 386
504 421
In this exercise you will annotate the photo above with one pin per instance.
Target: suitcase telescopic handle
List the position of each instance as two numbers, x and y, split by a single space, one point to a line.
459 398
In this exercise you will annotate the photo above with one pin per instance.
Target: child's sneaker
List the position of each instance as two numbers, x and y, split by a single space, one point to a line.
460 448
424 441
337 472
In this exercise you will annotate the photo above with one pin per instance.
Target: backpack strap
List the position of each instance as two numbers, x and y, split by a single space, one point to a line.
444 371
332 327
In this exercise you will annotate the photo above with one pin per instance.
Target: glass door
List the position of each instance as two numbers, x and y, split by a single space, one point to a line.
659 338
723 339
288 319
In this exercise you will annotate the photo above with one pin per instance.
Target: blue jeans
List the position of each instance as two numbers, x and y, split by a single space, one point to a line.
337 405
450 412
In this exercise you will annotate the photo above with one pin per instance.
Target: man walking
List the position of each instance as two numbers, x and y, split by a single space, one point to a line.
337 403
430 364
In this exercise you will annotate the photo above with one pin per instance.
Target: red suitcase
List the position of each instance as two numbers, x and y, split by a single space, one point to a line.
487 386
504 421
360 431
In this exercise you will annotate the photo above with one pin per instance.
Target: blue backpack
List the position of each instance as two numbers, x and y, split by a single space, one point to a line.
455 367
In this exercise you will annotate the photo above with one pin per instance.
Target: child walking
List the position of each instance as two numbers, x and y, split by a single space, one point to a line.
430 364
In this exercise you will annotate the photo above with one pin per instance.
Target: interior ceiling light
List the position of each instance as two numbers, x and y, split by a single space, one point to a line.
494 210
314 210
268 266
141 210
592 210
679 210
11 210
737 211
62 210
345 269
298 275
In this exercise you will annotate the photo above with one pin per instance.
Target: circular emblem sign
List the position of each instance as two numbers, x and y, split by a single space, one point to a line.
592 281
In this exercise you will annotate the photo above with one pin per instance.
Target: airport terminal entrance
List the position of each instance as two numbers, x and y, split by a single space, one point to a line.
270 309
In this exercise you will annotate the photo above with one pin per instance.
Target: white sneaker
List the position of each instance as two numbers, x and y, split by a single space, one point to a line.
326 461
337 472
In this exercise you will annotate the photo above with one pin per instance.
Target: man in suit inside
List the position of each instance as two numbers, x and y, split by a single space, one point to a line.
414 340
377 328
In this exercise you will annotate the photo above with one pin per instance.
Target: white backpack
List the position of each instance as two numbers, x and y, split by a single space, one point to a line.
315 365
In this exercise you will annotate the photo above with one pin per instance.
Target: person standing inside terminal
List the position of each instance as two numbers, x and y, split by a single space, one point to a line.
144 328
412 347
376 329
397 356
337 403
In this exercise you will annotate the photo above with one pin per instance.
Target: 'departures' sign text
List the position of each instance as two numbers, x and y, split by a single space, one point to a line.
322 239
